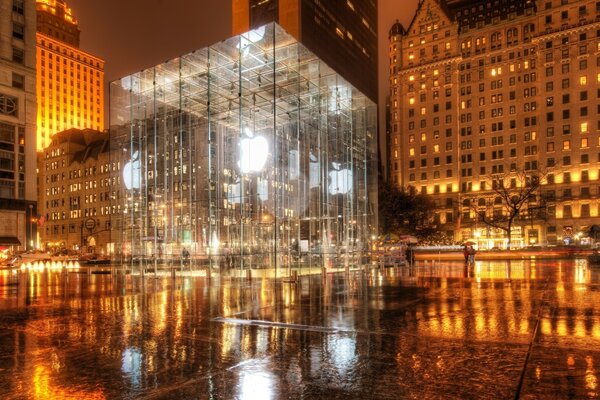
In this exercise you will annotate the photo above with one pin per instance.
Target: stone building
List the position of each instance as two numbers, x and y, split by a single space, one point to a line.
485 91
18 208
74 179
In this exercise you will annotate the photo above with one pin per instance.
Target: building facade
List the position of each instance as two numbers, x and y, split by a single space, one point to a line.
74 179
70 82
18 208
251 153
493 94
341 33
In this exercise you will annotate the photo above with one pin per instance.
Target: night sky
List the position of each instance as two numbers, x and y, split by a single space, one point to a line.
132 35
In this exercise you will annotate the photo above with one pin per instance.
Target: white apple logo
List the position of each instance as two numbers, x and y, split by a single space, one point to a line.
131 172
340 181
314 171
254 151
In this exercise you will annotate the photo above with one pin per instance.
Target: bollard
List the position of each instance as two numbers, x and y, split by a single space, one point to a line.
249 274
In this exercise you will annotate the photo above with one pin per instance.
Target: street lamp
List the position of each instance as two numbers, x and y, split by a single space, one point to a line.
31 226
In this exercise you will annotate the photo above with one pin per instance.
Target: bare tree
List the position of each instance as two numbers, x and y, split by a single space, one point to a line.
508 196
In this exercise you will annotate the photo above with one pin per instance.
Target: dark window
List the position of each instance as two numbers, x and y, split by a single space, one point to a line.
18 31
18 55
18 6
18 81
8 105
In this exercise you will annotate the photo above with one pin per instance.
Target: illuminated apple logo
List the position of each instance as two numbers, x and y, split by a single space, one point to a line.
254 151
131 173
340 180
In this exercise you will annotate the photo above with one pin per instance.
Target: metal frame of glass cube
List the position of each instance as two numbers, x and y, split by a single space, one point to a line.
251 153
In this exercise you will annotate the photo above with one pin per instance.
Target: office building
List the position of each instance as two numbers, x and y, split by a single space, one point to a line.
70 81
341 33
483 90
18 209
251 153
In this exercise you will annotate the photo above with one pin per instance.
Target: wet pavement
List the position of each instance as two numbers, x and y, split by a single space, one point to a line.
498 330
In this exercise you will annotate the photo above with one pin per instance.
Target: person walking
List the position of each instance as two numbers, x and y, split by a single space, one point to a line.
471 252
466 253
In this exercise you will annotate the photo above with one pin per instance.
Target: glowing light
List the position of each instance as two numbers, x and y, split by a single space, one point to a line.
340 180
131 173
254 152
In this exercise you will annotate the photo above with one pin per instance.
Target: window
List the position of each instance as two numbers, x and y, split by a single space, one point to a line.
18 55
18 31
8 105
18 81
18 6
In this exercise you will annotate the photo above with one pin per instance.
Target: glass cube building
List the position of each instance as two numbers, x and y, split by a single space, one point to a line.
251 153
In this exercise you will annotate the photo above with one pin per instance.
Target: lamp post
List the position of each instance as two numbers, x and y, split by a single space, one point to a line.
31 226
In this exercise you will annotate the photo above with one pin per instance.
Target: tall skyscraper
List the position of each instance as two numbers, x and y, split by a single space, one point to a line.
343 33
17 124
70 82
483 91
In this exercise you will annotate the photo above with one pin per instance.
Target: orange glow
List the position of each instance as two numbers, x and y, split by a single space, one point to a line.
69 88
44 389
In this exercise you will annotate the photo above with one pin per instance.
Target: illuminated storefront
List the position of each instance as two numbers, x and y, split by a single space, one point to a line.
250 153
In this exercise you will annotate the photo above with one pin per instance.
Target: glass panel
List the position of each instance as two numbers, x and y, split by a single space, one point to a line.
249 154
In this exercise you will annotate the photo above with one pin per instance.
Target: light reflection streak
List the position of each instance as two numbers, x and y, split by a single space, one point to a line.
45 388
591 381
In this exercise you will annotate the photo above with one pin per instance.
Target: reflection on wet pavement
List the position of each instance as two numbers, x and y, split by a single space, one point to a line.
525 329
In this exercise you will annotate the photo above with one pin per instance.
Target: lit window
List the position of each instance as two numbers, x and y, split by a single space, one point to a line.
411 78
423 111
447 45
411 100
584 143
436 72
567 145
411 56
423 137
436 148
411 151
584 127
583 80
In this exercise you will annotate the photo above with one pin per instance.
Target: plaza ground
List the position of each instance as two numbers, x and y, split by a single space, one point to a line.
498 330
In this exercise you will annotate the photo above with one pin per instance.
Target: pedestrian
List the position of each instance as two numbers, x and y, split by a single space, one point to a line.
471 255
410 255
466 253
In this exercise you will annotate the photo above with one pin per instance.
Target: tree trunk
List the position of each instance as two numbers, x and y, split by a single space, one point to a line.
509 234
